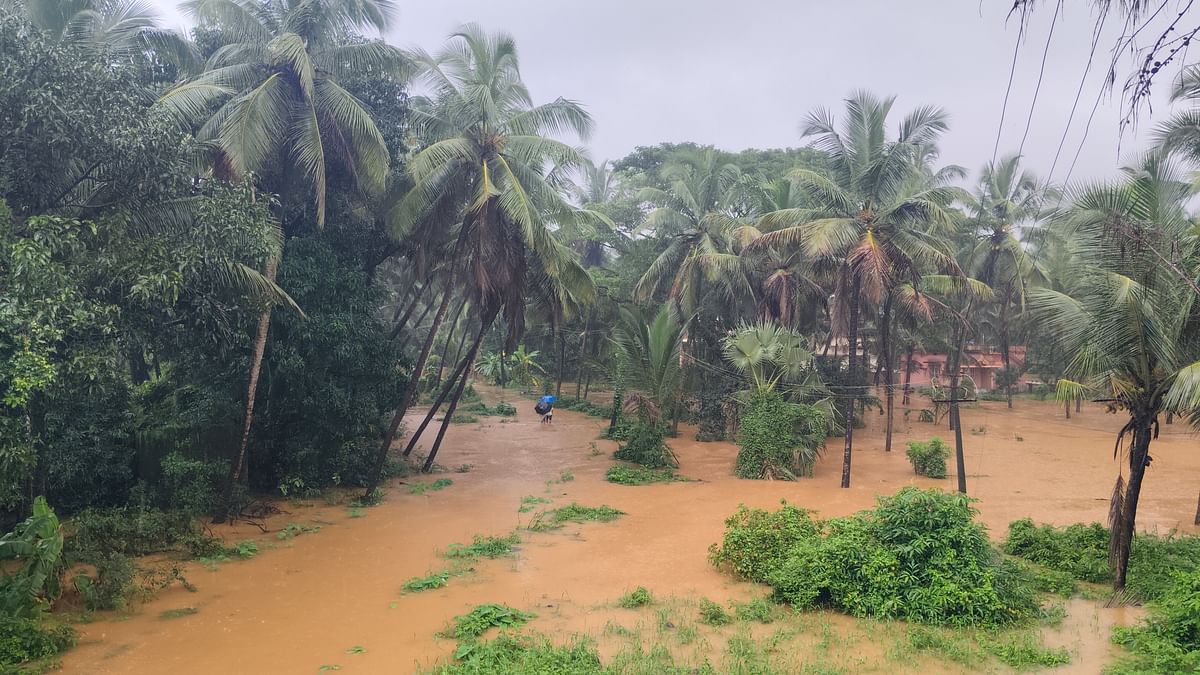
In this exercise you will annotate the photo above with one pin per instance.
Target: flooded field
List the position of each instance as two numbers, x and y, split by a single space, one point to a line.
333 597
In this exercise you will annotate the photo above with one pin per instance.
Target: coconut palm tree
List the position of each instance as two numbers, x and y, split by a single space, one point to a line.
119 28
694 214
488 156
1128 319
649 351
268 105
876 213
1006 199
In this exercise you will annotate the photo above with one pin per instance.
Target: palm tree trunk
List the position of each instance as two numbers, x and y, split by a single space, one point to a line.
1078 403
853 378
412 307
1004 353
424 313
237 468
583 341
1121 536
562 361
885 359
462 383
450 338
410 392
1197 522
1067 407
907 375
433 409
955 419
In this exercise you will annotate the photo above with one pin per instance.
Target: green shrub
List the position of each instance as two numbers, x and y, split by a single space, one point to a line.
639 475
918 556
647 448
482 617
111 585
30 639
757 542
1168 641
928 458
131 531
505 409
638 597
713 614
525 655
778 439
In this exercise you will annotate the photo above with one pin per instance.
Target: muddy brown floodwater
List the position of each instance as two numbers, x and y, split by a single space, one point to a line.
306 602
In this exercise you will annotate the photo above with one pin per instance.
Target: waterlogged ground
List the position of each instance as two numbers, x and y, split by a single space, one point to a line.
333 597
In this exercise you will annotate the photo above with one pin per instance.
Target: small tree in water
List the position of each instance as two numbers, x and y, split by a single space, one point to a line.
777 438
1126 316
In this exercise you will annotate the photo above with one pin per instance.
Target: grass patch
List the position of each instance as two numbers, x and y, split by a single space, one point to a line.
577 513
482 617
1025 650
374 498
293 530
422 488
177 613
524 654
356 513
638 597
531 503
639 475
428 582
758 609
484 547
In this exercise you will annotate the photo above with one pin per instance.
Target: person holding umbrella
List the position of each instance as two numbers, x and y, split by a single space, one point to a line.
545 408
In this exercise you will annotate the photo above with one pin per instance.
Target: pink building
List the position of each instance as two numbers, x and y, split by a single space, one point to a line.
983 367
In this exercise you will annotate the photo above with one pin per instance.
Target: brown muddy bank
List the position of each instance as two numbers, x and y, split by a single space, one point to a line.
308 600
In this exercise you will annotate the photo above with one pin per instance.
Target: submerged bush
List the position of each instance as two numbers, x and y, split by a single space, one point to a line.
778 439
919 556
482 617
97 533
646 447
928 458
757 542
639 475
1169 640
1081 551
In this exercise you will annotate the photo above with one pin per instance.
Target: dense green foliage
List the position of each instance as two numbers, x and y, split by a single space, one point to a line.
645 445
482 617
918 556
24 640
1169 639
1081 551
928 458
778 439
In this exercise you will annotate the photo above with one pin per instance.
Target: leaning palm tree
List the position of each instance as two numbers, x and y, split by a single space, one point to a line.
1006 199
1128 320
268 105
489 150
876 215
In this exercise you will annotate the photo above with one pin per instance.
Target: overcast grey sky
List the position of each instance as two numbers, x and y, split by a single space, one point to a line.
743 74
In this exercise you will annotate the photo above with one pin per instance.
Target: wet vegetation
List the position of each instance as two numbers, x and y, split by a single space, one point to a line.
260 265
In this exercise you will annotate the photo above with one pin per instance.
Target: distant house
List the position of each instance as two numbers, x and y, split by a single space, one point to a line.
983 367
